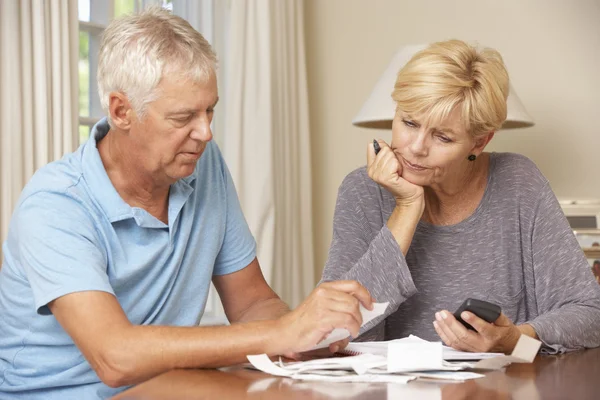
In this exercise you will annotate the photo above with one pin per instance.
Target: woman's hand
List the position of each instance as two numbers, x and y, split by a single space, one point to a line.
500 336
385 169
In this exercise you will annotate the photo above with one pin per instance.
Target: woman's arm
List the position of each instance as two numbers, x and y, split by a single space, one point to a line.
567 296
368 249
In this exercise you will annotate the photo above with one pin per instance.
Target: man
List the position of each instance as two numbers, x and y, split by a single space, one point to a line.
111 250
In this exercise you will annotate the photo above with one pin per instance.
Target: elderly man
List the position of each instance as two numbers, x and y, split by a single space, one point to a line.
112 249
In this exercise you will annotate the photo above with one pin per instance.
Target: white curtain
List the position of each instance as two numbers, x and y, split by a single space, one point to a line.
265 136
38 97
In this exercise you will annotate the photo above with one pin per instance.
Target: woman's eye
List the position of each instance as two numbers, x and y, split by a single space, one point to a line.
444 139
410 124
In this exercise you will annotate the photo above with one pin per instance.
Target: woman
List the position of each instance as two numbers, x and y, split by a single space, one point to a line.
433 219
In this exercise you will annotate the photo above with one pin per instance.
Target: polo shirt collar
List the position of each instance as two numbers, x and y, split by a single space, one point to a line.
102 189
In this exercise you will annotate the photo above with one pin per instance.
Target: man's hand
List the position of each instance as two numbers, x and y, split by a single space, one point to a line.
331 305
500 336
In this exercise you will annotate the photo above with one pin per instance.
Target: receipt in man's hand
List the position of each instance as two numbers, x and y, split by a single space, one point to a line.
340 333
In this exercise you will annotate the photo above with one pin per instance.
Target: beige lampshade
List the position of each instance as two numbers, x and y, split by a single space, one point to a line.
378 110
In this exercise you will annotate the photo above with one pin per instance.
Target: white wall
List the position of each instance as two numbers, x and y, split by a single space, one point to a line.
551 49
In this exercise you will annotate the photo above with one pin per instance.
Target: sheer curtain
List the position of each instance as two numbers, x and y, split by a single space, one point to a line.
38 100
265 136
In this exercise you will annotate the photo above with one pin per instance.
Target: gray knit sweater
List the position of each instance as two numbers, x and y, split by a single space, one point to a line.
516 250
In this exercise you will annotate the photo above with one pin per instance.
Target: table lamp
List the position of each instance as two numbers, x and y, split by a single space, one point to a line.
378 110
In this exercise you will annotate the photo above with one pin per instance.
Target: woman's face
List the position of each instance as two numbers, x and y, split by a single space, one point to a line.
430 155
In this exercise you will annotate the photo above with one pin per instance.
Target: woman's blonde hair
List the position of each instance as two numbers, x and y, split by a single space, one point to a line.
137 50
452 74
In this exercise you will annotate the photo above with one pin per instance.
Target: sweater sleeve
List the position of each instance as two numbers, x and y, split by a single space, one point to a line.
364 249
567 295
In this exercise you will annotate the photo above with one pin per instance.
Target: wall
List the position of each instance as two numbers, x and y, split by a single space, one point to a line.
551 49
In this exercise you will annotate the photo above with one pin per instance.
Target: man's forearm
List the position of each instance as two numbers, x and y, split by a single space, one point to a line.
141 352
264 310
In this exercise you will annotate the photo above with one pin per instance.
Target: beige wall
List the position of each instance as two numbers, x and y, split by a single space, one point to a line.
551 49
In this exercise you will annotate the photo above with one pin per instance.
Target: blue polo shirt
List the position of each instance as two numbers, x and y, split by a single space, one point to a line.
72 232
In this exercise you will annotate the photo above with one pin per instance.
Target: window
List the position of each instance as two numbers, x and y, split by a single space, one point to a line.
94 15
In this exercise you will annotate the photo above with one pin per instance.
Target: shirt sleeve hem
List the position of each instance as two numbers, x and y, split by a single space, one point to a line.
43 301
237 266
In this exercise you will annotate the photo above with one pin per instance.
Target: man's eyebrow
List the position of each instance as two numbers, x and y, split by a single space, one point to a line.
182 112
187 111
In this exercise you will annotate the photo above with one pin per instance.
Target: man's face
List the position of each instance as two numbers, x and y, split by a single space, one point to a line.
168 141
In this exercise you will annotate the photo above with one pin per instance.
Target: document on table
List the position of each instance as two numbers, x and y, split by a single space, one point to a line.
406 359
381 348
338 369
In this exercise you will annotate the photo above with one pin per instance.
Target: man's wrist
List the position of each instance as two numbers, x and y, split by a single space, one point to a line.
278 337
267 309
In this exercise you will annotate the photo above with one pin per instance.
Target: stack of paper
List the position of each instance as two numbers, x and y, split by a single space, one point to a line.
381 348
406 359
396 361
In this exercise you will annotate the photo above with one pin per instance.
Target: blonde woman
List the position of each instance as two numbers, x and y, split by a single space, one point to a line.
433 219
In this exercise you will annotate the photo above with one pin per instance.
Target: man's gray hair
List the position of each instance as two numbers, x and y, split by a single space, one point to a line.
137 50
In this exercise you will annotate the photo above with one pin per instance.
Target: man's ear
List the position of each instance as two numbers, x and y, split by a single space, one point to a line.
121 112
481 142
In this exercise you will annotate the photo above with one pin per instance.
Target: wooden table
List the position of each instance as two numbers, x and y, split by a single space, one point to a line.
569 376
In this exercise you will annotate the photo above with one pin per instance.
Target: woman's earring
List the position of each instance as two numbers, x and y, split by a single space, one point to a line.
472 157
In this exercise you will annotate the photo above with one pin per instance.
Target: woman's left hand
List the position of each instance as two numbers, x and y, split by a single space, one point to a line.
500 336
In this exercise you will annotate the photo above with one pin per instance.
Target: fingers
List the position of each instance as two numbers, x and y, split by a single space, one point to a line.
293 356
340 345
503 320
453 333
345 304
480 325
379 162
372 153
330 306
345 321
336 305
355 289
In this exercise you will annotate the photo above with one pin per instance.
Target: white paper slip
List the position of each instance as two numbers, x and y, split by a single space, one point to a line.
359 364
381 348
340 333
451 354
263 363
524 352
378 348
415 356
